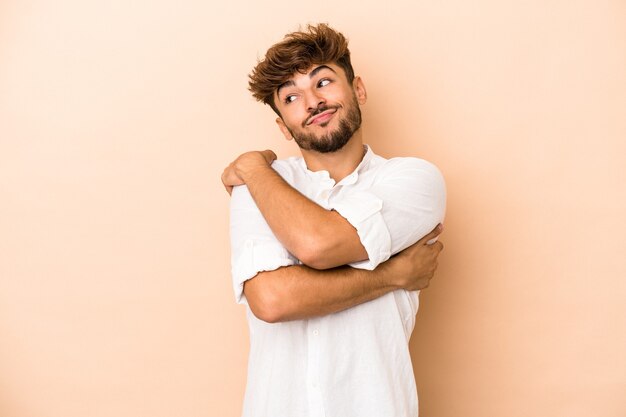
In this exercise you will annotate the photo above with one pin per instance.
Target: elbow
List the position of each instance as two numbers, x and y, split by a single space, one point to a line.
264 302
322 258
311 258
267 313
318 262
314 254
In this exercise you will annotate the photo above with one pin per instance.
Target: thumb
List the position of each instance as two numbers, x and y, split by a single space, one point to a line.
431 235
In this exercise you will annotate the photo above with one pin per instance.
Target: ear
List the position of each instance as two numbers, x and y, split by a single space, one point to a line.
283 128
359 90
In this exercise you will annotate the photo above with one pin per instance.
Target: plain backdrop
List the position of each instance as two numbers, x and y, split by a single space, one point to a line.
117 118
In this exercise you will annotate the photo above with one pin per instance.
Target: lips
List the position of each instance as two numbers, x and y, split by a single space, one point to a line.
322 117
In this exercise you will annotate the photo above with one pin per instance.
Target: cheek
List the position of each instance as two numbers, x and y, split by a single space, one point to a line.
339 97
295 115
291 121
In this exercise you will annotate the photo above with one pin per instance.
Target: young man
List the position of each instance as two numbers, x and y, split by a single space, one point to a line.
330 310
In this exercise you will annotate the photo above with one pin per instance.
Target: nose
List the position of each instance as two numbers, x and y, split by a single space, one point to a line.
314 100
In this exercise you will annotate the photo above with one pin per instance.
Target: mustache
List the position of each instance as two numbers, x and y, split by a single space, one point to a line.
318 110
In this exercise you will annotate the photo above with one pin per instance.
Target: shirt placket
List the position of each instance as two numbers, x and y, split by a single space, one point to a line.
324 195
316 405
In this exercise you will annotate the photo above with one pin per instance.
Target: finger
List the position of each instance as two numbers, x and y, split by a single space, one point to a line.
225 179
269 155
433 234
230 177
227 173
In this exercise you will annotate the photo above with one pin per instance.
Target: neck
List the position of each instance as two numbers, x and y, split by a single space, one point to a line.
339 164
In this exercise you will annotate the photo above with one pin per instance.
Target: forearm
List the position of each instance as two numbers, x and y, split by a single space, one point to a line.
300 292
318 237
289 214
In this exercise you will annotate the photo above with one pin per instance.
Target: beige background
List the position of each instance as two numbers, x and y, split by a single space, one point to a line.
117 117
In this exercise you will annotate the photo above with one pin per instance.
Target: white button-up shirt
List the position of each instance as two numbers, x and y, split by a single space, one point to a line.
354 363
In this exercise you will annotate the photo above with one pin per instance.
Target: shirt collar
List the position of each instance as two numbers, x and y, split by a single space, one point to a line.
350 179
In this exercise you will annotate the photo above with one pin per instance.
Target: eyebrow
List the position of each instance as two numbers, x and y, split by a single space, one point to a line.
285 84
318 69
312 74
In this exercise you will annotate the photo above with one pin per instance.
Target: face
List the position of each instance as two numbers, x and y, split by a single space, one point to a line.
320 108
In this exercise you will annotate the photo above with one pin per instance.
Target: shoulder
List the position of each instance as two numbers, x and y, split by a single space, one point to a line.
413 182
408 167
290 168
286 165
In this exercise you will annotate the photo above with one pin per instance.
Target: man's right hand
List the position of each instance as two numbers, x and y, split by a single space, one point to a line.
415 266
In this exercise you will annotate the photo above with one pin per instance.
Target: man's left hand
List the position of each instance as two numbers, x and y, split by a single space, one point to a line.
237 172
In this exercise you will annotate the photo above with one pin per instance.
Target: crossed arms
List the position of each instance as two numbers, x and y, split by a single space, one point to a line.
323 240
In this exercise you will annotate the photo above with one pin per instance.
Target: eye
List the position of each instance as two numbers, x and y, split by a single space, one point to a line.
324 82
289 98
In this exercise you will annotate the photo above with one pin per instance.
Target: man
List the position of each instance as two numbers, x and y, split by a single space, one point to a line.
330 311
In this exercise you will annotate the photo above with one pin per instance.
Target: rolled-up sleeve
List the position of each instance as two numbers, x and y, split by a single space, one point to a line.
364 211
254 247
405 202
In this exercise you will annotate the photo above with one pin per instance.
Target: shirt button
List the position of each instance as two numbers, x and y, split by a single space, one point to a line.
315 332
314 384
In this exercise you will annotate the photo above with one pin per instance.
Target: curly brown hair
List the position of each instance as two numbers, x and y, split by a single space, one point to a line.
297 52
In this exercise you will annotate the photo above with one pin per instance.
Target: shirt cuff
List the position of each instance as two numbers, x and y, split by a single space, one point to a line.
363 211
257 256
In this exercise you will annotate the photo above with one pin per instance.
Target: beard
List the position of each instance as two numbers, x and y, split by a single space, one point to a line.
335 140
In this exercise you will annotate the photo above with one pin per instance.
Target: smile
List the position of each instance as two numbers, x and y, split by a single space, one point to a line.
322 117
